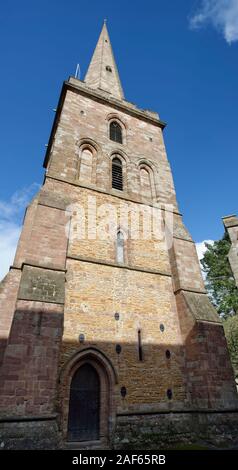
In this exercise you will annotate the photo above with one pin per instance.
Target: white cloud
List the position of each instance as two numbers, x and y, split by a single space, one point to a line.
11 213
222 14
9 234
201 250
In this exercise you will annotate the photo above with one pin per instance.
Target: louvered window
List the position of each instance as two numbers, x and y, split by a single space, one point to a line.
117 178
115 132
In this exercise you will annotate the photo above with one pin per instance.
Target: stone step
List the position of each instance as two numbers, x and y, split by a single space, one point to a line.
89 445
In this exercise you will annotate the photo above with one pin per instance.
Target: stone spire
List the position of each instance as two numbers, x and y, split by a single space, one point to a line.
102 71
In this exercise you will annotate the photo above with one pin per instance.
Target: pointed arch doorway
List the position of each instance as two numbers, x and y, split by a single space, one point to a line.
87 391
84 405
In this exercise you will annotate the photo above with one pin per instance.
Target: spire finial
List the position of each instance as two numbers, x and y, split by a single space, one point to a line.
105 20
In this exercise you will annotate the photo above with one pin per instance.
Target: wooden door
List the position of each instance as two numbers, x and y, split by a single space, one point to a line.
84 405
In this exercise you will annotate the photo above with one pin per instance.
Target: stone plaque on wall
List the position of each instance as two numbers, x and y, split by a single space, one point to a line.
43 285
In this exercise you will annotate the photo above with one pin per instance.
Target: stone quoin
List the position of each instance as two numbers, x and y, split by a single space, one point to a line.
107 336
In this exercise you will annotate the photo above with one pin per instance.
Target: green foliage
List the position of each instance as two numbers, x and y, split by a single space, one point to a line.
231 332
220 283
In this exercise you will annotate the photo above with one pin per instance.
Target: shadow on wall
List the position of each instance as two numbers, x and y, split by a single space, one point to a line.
197 373
39 372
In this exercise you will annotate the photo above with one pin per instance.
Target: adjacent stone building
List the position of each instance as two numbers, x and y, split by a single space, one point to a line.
231 226
107 336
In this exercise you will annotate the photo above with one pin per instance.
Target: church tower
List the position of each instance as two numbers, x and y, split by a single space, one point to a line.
107 336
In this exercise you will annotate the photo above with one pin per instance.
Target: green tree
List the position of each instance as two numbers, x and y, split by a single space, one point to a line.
231 332
219 280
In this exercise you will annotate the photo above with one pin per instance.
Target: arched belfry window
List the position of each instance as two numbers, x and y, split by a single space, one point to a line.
120 247
115 132
117 174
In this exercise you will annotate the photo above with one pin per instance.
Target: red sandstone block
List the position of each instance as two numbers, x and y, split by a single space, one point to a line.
20 401
21 392
31 409
38 401
8 392
12 360
45 393
9 377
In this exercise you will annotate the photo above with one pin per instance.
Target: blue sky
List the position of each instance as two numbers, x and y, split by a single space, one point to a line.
177 58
